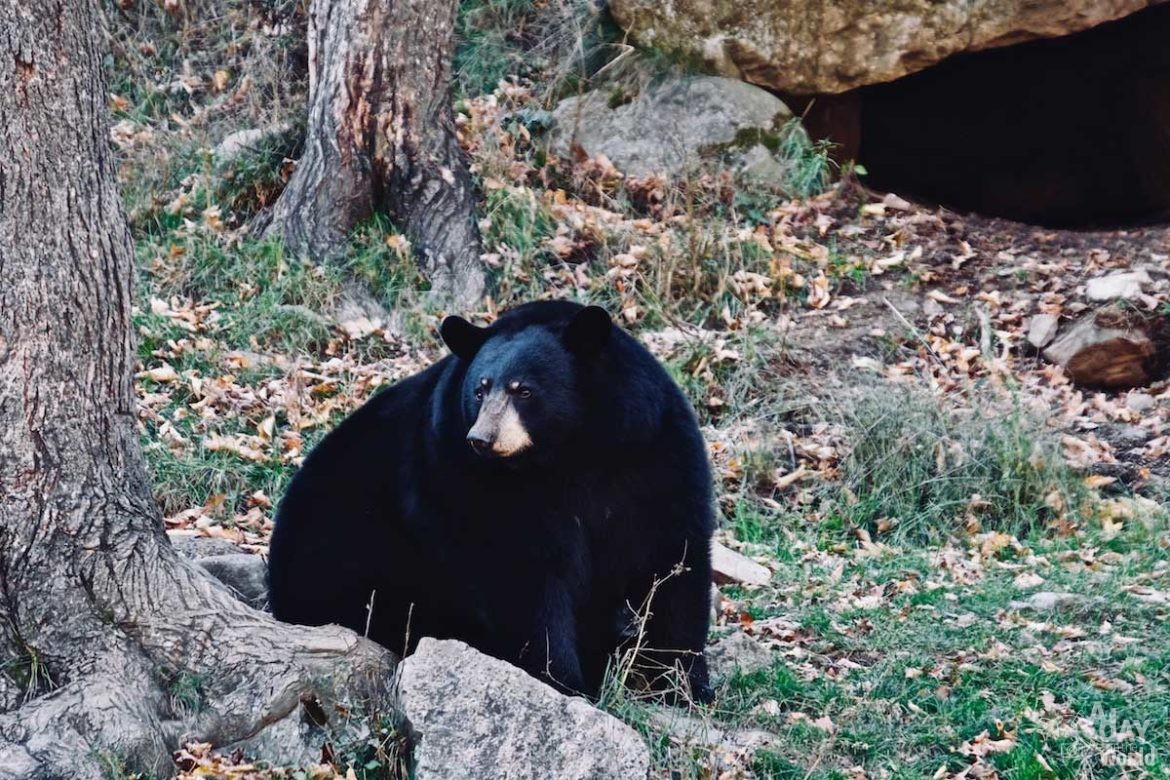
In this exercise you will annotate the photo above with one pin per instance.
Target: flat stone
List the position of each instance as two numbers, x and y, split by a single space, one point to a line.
194 547
252 139
731 567
721 743
1105 349
1048 600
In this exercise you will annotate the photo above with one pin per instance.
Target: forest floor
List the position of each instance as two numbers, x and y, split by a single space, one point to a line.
970 555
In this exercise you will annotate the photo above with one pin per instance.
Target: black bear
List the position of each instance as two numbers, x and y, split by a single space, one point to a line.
537 494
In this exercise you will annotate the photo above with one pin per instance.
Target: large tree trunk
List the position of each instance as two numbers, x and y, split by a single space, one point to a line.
381 136
97 614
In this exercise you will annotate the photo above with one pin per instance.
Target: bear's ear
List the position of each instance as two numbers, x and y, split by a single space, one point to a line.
461 337
588 331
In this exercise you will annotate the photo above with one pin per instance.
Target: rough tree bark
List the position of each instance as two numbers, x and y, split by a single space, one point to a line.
381 136
98 616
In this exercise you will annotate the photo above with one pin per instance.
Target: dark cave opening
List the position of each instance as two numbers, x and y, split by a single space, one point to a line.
1065 132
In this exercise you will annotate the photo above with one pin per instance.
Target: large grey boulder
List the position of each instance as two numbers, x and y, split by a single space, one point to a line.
673 124
809 47
474 717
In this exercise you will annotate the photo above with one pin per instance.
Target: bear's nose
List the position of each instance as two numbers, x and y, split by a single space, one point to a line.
481 445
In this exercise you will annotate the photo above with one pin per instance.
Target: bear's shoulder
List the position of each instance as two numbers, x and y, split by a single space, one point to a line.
388 420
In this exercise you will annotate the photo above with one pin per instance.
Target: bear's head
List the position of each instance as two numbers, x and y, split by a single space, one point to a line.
520 395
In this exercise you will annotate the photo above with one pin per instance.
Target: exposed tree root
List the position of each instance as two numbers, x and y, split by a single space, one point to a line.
253 674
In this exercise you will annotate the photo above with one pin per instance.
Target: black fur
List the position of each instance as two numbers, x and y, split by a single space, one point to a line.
540 559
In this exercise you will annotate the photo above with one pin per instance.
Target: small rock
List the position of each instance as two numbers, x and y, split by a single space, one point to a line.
728 566
1047 600
931 307
195 547
1115 286
470 716
685 727
1028 579
1132 436
737 652
245 574
693 730
1123 473
235 144
896 202
1042 330
1140 402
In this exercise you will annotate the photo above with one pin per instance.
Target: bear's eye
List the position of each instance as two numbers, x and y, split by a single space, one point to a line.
519 390
479 393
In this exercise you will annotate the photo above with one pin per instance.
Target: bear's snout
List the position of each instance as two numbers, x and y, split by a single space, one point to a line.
498 431
481 446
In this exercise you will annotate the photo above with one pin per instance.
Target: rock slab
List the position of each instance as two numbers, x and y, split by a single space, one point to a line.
731 568
672 124
810 47
470 716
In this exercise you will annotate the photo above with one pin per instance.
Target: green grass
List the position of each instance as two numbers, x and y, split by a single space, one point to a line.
921 682
375 748
490 35
919 470
115 767
553 44
186 695
809 164
29 673
267 299
267 312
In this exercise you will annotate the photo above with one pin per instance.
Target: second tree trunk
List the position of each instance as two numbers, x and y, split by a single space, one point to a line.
381 136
